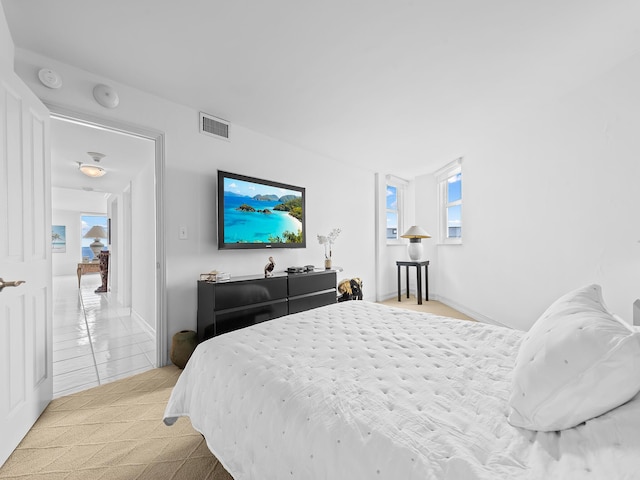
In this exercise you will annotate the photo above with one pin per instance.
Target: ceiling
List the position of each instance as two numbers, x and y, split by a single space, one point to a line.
125 156
399 86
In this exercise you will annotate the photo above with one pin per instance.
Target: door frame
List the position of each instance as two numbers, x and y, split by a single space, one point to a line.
157 137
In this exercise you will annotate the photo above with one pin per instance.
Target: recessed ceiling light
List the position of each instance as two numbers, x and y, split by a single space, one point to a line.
106 96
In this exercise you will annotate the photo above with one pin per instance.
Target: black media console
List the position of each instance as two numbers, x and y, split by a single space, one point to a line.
244 301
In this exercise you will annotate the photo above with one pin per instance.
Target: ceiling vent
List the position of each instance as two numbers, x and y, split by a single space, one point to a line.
215 127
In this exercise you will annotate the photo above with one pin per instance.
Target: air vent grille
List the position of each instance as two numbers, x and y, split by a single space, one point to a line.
216 127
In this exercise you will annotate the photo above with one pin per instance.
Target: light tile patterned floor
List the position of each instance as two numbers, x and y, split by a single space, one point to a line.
94 340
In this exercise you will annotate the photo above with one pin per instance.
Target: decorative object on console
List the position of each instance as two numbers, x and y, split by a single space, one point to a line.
91 170
415 235
350 289
183 344
328 242
215 276
96 232
268 268
104 272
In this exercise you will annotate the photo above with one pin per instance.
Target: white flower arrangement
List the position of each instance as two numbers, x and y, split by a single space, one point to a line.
328 241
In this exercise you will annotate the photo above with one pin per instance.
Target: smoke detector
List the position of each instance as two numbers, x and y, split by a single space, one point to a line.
49 78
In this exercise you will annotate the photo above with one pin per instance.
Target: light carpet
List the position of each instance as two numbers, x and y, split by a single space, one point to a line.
432 306
114 432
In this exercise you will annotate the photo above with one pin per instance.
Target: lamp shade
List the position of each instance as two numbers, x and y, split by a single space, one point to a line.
415 235
96 232
415 232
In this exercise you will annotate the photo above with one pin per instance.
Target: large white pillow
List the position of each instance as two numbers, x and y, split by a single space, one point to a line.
578 361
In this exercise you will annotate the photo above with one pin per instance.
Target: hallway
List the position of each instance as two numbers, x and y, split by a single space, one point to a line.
94 341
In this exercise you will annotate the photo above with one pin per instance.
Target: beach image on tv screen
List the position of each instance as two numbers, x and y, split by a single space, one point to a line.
257 213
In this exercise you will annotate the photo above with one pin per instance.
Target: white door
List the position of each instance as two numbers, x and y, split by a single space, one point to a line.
26 381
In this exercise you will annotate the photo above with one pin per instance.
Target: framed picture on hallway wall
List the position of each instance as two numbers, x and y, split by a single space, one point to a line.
58 238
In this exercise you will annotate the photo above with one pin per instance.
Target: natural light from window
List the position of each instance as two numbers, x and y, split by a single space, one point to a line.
88 221
392 212
454 206
449 180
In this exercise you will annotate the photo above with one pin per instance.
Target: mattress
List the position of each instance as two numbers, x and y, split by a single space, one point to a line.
359 390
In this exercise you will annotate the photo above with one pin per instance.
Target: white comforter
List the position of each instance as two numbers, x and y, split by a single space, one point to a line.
357 390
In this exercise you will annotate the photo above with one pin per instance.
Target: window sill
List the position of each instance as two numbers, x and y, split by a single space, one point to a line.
396 243
449 243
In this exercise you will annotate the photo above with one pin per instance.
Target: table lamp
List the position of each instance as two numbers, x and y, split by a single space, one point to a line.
415 235
96 232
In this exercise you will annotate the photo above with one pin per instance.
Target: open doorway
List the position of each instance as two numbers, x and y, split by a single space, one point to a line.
130 196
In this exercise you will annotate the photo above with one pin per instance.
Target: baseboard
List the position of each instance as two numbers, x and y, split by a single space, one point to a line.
450 303
144 325
467 311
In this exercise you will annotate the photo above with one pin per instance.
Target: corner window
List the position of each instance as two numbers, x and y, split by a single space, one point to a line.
450 203
392 212
394 204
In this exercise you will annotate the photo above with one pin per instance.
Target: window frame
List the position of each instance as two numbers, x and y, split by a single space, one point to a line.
400 185
82 232
442 177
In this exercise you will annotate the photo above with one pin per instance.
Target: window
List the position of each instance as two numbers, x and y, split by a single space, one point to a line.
450 202
392 212
88 221
394 204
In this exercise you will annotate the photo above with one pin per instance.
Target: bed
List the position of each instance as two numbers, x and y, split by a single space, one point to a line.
359 390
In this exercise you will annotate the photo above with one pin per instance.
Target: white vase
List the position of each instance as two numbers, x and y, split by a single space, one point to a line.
415 249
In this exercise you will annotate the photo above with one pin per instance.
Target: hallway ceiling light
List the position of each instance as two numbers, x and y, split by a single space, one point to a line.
90 170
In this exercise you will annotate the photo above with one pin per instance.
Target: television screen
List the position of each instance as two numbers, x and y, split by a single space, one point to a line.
256 213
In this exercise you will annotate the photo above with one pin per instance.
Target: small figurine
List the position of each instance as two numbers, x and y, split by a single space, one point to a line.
268 268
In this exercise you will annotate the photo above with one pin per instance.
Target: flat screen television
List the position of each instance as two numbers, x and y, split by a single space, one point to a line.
257 213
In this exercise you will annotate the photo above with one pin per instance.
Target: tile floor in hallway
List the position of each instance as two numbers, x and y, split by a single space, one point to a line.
94 340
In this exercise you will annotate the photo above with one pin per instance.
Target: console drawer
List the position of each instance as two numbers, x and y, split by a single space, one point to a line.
238 294
303 283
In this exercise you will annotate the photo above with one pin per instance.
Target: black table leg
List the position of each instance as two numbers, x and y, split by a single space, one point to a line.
426 282
419 286
407 272
399 285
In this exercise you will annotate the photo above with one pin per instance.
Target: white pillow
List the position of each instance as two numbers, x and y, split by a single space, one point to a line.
578 361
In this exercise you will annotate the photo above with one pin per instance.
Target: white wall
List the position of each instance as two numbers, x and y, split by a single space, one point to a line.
143 254
66 263
192 160
550 205
6 43
119 269
65 212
